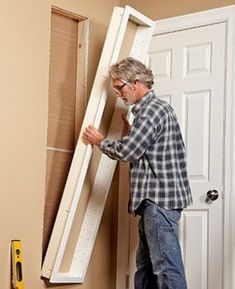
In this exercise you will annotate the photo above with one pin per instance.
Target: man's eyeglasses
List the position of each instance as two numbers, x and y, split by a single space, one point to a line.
118 88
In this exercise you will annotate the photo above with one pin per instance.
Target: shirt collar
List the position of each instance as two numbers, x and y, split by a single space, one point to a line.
135 109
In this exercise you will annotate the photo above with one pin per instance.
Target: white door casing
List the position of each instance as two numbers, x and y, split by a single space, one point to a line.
191 57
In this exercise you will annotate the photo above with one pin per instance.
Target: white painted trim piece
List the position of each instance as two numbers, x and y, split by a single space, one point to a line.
70 199
188 21
229 193
96 203
219 15
141 44
138 17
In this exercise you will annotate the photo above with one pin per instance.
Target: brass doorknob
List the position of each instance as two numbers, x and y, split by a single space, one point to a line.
212 195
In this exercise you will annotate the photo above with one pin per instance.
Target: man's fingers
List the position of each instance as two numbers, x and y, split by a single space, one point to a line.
92 136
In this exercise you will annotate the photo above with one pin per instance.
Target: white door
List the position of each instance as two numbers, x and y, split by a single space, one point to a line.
189 68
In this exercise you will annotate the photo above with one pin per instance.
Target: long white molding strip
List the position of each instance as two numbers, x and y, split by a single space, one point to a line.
57 243
93 213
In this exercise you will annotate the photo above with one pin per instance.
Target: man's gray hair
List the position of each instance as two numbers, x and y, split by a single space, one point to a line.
131 69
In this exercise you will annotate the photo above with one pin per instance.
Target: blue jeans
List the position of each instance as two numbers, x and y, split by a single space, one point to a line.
158 260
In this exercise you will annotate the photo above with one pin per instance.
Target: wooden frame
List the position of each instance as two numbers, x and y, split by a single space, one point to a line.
82 59
60 146
82 156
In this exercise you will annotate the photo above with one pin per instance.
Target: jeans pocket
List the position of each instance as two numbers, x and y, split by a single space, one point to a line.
168 239
168 217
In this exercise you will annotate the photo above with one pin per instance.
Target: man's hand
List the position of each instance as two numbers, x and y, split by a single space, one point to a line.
92 136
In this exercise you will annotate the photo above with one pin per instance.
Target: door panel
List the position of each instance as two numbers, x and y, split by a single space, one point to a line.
189 67
194 83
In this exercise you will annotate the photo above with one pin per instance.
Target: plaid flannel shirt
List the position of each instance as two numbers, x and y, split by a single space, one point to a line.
156 152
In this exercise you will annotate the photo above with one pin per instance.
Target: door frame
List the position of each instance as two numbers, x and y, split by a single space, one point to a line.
219 15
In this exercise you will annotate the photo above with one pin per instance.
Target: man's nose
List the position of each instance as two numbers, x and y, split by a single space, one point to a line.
118 93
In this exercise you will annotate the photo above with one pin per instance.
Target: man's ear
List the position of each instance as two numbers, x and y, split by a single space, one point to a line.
136 82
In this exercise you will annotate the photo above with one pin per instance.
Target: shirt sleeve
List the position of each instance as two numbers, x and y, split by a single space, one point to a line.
146 128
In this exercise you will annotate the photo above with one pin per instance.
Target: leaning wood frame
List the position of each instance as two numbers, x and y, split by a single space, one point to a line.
82 156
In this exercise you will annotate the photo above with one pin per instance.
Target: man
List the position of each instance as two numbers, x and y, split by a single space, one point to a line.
159 187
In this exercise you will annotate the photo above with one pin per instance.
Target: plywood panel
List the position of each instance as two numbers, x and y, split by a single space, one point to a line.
67 102
62 84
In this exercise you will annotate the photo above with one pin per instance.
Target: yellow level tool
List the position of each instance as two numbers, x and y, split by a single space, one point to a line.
17 264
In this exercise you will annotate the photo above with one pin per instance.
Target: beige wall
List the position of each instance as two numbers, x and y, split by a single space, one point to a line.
24 60
24 30
160 9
